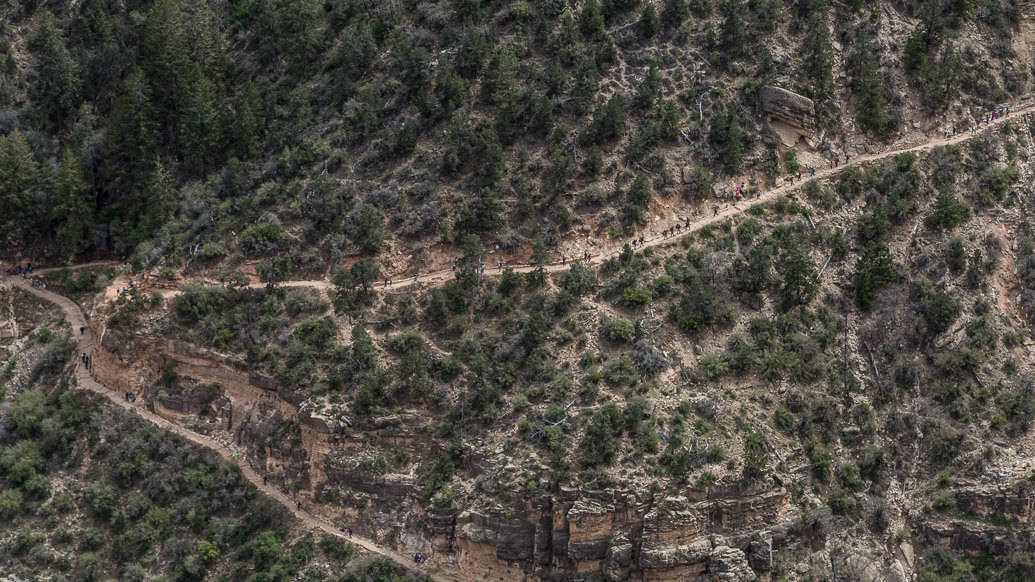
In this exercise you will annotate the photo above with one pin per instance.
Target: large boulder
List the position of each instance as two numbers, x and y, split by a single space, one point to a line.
788 107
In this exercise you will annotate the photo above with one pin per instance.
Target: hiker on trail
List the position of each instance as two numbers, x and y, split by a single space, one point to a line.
831 162
954 131
758 194
265 479
483 267
837 161
415 277
386 283
585 255
715 210
564 260
846 157
81 328
686 223
813 170
499 266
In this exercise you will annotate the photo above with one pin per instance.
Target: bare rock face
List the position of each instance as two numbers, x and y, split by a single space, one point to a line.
729 565
789 107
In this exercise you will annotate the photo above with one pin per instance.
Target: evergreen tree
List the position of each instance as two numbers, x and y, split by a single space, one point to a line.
732 34
874 270
73 207
246 123
638 198
728 139
591 21
368 230
178 45
871 111
353 58
130 143
800 279
56 90
818 57
540 256
201 128
674 13
648 21
20 184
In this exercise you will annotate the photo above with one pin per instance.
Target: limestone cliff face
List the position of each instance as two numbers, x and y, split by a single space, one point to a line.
553 533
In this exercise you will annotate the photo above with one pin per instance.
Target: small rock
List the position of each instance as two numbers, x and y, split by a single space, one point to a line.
837 46
907 553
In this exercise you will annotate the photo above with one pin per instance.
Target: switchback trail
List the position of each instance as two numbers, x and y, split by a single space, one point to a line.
85 380
85 341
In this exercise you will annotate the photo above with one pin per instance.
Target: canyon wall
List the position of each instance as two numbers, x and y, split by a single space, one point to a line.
552 533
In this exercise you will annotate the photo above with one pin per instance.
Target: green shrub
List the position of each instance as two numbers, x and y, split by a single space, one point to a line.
943 501
636 295
10 504
262 239
712 365
790 161
756 457
618 330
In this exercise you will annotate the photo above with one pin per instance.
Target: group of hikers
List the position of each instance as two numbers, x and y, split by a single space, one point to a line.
121 290
37 281
19 270
130 397
986 118
419 558
85 359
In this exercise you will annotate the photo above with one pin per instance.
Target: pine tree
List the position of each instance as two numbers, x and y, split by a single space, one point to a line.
56 90
871 111
591 21
674 13
130 144
818 57
246 123
648 21
800 280
73 207
732 33
200 128
20 183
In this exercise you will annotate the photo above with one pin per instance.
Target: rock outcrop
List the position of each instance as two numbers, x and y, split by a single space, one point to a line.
718 533
788 107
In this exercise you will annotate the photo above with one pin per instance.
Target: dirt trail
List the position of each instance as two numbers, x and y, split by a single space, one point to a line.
436 278
75 317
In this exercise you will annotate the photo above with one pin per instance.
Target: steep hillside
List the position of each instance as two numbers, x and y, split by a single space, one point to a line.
90 493
471 277
302 133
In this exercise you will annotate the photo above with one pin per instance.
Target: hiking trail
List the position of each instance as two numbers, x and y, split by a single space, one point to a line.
440 277
84 379
86 341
